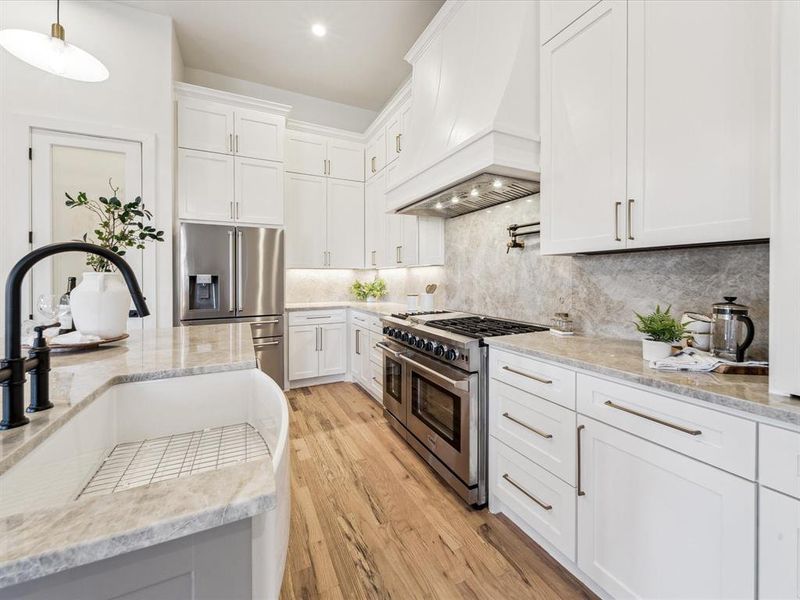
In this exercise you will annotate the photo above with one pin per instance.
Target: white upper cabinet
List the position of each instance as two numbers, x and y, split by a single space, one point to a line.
305 153
314 154
345 160
401 245
345 224
258 191
375 221
258 135
205 185
431 240
205 125
583 133
656 125
396 128
375 156
556 15
306 244
698 121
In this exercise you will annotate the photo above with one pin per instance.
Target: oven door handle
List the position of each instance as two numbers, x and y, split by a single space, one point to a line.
458 385
386 348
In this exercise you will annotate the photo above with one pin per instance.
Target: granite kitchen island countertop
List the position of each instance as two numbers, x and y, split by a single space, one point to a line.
622 359
44 541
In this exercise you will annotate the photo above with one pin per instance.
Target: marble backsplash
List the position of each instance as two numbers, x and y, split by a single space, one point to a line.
600 292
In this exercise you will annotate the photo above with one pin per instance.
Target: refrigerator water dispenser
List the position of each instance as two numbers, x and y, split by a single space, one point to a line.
203 292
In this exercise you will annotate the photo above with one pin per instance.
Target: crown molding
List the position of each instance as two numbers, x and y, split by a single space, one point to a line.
437 24
188 90
400 97
334 132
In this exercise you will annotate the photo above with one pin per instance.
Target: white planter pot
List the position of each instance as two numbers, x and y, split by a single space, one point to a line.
655 350
100 305
371 299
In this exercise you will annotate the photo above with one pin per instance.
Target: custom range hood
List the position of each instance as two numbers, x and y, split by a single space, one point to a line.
473 136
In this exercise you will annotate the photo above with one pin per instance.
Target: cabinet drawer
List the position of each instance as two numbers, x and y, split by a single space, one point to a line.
779 459
375 324
267 327
540 430
542 501
543 379
718 439
317 317
375 382
375 353
361 318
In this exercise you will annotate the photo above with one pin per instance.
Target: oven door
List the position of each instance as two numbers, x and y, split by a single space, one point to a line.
442 405
393 399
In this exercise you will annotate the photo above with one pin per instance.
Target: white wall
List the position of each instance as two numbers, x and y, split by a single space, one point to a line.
304 108
137 48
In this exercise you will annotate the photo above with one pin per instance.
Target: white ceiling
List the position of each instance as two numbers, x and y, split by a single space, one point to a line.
359 62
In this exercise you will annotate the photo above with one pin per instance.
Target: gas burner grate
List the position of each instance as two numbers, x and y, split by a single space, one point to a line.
134 464
419 313
483 327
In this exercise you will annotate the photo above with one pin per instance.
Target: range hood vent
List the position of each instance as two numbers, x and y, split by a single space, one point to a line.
471 195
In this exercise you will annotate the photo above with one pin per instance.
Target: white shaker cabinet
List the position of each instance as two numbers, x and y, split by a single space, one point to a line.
698 121
258 134
332 345
205 125
375 218
317 344
345 224
556 15
306 221
375 155
345 160
655 524
779 546
303 352
431 240
205 185
305 153
258 191
401 244
396 128
583 73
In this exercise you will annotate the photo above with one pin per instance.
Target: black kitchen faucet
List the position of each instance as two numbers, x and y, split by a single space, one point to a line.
13 367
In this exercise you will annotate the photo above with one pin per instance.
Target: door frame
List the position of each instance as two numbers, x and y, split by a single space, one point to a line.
16 216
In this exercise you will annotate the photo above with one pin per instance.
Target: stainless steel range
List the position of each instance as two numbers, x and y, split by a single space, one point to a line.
435 389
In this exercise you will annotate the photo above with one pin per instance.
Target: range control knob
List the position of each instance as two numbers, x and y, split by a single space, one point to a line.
404 337
397 333
420 343
429 346
451 354
412 340
387 331
439 350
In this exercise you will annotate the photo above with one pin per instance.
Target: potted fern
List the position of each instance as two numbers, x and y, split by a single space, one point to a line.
662 331
370 291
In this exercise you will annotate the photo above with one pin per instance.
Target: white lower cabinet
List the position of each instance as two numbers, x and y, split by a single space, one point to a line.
303 352
317 344
779 546
332 344
655 524
366 359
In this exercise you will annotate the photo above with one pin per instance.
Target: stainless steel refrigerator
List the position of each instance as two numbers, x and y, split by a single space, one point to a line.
228 274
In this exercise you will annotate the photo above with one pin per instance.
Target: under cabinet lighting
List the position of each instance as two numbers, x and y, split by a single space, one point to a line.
319 30
474 192
438 205
454 199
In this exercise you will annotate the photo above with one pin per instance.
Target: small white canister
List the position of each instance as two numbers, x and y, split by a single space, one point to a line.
412 302
426 302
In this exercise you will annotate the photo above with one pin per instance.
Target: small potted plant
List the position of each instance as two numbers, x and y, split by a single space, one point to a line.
370 291
100 302
662 331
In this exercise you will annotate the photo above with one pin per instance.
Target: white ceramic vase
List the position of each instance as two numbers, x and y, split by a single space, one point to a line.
652 350
371 299
100 305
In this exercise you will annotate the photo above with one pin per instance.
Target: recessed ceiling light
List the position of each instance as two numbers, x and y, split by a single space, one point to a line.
497 183
529 200
319 30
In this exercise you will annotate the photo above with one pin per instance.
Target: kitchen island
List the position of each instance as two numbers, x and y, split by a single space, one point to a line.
168 534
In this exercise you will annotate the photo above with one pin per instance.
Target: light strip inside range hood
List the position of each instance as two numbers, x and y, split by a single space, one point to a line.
477 193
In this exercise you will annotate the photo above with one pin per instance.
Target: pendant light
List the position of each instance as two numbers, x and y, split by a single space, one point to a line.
52 54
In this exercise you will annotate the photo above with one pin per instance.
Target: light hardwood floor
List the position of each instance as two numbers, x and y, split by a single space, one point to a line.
371 520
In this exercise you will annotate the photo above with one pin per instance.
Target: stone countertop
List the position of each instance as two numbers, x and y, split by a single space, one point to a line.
622 359
375 308
93 528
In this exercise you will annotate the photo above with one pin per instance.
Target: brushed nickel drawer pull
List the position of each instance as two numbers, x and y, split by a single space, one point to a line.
578 467
653 419
630 218
528 427
528 375
526 492
617 206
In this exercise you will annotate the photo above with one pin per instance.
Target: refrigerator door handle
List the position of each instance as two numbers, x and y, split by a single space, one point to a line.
239 291
230 271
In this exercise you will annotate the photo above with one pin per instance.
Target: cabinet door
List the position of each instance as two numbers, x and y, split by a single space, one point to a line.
259 135
583 85
357 338
409 241
698 121
375 221
345 224
345 160
205 186
555 15
779 546
375 156
333 349
656 524
259 191
394 130
305 153
393 226
431 240
303 352
305 221
204 125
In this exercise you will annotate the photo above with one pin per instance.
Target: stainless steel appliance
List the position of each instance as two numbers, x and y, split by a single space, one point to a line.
231 274
435 387
732 330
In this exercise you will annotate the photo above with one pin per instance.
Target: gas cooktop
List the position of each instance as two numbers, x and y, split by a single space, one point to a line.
482 327
419 313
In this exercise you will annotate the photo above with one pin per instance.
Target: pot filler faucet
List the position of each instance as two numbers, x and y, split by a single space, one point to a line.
13 367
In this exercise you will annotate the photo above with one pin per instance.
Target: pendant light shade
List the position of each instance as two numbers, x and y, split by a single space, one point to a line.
52 53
